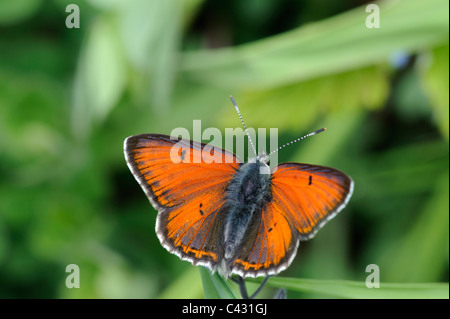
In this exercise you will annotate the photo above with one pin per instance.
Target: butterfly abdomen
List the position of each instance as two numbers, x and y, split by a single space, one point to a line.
246 193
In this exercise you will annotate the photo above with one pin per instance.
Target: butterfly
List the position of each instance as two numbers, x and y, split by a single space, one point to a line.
229 216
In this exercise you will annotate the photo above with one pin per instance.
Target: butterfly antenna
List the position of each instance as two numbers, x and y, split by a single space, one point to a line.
299 139
242 121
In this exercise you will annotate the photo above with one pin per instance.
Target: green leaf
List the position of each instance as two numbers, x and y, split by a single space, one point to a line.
358 290
215 287
436 82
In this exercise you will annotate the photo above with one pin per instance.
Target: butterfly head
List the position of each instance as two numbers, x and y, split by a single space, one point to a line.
263 162
262 158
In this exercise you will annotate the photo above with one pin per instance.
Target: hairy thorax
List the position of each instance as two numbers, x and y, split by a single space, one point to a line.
246 194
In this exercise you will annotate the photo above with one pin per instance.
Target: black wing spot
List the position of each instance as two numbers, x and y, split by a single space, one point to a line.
201 205
183 153
201 212
270 229
310 180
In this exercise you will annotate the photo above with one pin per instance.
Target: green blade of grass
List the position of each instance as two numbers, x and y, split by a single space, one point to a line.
358 290
215 287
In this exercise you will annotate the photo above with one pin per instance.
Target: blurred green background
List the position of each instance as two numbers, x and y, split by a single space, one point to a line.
69 97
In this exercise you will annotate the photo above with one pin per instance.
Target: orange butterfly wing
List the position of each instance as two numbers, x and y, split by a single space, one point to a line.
304 198
186 182
310 195
272 245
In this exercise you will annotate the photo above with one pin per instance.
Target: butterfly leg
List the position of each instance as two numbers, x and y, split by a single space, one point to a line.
243 289
241 283
261 286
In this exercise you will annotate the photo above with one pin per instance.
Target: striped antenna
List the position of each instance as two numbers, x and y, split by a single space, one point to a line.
242 121
299 139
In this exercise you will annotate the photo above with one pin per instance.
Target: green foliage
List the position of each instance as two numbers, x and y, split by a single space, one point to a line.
326 47
352 289
69 97
215 286
12 12
435 79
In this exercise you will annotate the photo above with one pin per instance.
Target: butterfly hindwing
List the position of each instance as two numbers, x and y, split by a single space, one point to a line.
269 246
186 182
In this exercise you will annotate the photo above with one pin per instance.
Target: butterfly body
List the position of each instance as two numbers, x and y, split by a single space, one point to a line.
231 217
246 194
